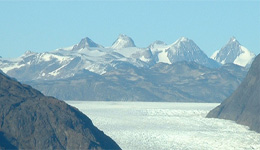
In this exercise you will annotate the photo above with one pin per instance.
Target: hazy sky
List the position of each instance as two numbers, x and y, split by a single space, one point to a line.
46 25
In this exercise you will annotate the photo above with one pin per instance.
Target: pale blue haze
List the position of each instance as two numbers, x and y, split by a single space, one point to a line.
45 25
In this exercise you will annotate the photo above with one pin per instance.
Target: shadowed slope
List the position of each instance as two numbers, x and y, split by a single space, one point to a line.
30 120
243 106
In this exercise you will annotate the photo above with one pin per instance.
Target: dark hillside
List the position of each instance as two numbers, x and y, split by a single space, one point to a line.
30 120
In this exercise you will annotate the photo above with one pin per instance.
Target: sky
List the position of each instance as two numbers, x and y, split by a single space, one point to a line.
42 26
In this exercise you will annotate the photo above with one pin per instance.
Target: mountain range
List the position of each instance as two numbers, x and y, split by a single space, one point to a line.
123 66
66 62
180 81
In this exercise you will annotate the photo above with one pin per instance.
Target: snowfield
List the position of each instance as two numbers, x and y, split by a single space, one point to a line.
164 126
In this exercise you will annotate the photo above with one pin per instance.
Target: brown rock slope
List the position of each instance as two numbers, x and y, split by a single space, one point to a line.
243 106
30 120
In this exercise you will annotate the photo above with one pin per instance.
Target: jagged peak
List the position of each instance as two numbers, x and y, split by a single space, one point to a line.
123 41
86 42
233 40
28 52
231 45
123 36
183 39
234 52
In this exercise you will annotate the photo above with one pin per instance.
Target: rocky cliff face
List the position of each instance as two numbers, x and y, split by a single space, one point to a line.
243 106
30 120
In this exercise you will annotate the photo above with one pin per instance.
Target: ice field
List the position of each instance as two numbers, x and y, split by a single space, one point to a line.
164 126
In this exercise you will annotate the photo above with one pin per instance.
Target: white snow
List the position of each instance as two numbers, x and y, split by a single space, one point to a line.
128 52
164 126
46 57
180 40
119 44
162 52
68 48
240 55
183 39
98 59
163 57
177 51
223 61
5 69
49 57
233 39
57 71
245 57
213 56
144 59
123 41
92 53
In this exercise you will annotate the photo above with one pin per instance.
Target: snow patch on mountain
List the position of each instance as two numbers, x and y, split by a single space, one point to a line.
181 40
163 57
234 52
67 48
6 68
214 55
245 58
182 49
123 41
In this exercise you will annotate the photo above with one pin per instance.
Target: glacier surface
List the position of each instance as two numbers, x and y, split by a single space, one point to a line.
156 125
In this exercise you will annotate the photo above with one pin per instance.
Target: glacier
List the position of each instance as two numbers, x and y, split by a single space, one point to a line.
163 125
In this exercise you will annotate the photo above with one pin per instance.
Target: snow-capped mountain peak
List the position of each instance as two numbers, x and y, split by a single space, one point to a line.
183 39
85 43
234 52
28 53
65 62
184 42
233 39
123 41
182 49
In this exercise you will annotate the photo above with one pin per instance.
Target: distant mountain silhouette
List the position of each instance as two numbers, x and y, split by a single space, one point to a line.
243 106
30 120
